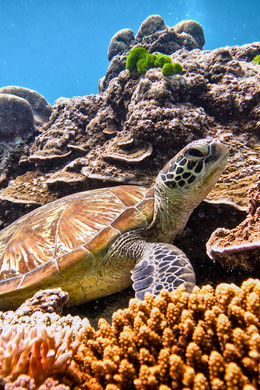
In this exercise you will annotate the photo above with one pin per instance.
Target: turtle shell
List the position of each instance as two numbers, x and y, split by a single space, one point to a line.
64 243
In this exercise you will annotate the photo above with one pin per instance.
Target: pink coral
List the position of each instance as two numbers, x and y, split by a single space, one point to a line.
38 351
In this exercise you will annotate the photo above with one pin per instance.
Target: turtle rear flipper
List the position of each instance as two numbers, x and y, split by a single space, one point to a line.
163 266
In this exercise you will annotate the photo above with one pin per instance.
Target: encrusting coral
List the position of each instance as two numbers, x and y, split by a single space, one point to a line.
39 351
206 340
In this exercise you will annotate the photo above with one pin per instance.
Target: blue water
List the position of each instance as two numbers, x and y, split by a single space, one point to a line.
59 47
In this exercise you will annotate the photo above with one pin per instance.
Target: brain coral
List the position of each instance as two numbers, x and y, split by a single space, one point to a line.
206 340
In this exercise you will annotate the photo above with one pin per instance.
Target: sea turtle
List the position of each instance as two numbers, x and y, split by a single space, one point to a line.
92 243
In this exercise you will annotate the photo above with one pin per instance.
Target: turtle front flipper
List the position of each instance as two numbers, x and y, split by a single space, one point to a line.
162 266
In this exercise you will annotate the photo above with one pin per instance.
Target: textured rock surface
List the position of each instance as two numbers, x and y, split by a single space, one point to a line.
16 118
240 247
154 35
22 113
45 301
39 105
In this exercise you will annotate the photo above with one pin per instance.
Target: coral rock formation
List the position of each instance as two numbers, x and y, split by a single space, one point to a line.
126 133
45 301
141 122
239 246
40 107
17 121
209 339
22 113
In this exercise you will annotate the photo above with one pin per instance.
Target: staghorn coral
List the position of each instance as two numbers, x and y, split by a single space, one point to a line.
39 351
209 339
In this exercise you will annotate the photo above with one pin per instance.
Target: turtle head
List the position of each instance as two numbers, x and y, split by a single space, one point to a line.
189 176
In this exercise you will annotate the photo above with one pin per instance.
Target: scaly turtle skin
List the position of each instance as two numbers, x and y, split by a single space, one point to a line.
92 243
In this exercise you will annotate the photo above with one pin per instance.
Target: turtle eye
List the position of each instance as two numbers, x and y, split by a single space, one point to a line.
194 152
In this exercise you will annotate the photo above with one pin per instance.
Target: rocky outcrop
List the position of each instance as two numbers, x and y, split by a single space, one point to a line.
22 113
240 247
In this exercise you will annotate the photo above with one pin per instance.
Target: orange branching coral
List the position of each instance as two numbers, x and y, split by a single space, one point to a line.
38 351
207 340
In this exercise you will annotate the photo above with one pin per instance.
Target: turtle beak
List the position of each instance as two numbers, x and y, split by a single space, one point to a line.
217 160
218 152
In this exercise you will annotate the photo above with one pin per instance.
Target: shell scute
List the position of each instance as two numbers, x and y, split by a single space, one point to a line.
48 270
30 243
129 219
84 218
10 284
145 208
74 257
102 240
129 195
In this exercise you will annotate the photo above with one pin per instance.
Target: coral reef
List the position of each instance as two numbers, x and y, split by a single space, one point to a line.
241 245
154 36
120 43
17 120
126 133
208 339
39 352
151 25
193 29
142 122
44 308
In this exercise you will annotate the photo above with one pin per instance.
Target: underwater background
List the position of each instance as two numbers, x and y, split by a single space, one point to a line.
58 47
